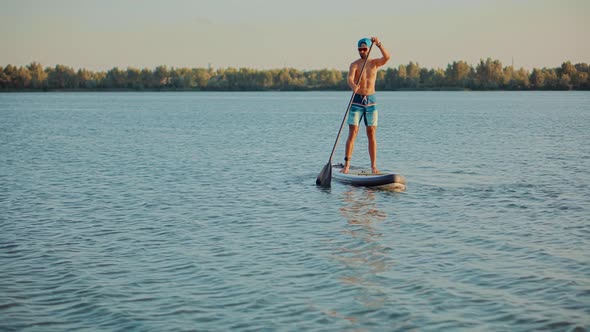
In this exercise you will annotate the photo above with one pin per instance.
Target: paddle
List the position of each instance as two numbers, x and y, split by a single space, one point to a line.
325 177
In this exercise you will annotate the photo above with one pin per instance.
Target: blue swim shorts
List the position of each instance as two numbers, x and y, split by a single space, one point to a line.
363 107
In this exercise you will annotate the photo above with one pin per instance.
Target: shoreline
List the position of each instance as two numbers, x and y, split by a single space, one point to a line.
273 90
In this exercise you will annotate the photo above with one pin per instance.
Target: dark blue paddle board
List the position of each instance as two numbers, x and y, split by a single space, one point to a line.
359 176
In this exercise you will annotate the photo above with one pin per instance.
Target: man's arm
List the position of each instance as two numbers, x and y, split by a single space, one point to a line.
351 74
385 56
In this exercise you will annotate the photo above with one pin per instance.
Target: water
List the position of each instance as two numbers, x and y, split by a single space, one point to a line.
199 211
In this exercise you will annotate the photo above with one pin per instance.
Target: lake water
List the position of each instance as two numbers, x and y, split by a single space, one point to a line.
199 211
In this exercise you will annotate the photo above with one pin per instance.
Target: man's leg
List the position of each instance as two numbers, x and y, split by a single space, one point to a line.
371 136
352 131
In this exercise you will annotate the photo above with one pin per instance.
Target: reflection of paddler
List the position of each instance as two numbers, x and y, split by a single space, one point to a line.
364 256
362 211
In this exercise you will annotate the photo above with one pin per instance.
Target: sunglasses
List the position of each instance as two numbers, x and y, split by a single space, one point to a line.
363 49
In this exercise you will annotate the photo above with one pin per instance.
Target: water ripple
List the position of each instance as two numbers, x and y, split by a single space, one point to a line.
137 212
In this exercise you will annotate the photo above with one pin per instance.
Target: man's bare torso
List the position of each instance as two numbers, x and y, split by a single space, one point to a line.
367 82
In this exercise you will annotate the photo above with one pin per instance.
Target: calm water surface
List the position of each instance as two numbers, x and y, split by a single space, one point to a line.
199 211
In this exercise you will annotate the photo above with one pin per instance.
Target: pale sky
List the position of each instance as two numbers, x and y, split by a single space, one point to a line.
301 34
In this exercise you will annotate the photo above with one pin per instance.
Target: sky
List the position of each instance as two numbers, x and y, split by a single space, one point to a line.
301 34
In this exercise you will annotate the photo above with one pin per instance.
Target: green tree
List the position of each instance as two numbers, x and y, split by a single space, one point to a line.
4 81
551 79
23 78
402 76
508 81
564 82
218 81
133 78
284 79
201 77
568 69
38 75
100 77
580 80
289 79
265 79
231 78
521 78
537 79
413 78
148 81
116 79
380 80
176 79
390 79
458 74
432 78
489 74
161 76
185 76
324 79
86 79
9 77
61 77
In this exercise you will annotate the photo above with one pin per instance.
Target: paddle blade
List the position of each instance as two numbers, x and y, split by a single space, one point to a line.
325 177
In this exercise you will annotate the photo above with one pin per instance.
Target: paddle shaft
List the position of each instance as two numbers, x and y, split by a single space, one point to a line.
349 105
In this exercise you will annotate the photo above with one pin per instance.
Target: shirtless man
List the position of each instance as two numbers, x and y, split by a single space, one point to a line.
364 104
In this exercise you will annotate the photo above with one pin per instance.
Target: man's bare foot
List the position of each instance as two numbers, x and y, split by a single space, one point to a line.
345 169
375 170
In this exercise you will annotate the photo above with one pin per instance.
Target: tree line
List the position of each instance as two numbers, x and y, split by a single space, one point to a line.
486 75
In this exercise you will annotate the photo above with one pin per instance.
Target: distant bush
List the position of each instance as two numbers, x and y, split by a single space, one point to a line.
459 75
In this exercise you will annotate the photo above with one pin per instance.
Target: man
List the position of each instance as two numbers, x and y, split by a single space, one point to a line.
364 104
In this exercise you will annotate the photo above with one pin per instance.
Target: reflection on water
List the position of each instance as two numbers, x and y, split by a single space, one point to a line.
361 253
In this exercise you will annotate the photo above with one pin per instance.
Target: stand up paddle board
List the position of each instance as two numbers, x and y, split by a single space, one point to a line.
359 176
